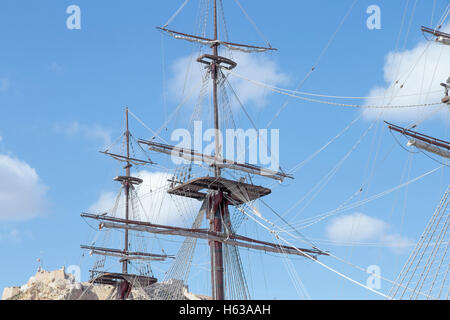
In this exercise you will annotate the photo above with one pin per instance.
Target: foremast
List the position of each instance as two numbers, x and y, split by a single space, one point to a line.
125 279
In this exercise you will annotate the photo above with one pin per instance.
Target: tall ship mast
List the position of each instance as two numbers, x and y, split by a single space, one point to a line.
220 192
130 252
215 192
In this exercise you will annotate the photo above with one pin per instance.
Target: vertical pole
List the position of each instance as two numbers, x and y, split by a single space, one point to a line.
127 190
214 73
217 281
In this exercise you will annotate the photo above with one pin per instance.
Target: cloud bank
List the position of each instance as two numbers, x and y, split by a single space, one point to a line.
409 73
358 227
22 195
258 67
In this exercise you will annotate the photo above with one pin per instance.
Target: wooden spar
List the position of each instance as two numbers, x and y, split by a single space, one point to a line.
424 142
212 41
125 159
219 237
130 254
193 156
231 239
434 32
125 256
428 147
413 134
441 37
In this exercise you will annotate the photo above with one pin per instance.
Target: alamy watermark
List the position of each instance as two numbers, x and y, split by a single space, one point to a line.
73 22
374 280
374 20
74 270
238 145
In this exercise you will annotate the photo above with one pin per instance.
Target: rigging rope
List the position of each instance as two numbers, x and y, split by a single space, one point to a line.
420 250
315 260
145 126
253 23
177 109
336 96
176 13
296 237
364 201
319 58
325 179
287 93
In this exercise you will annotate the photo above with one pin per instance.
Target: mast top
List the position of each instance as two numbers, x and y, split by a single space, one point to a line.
130 161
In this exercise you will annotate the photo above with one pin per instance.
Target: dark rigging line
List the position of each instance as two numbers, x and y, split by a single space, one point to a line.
292 227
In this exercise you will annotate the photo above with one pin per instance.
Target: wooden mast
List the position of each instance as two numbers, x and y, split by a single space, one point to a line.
217 281
126 185
220 192
128 182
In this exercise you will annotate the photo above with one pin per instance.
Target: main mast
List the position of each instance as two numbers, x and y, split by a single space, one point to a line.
214 73
221 192
215 225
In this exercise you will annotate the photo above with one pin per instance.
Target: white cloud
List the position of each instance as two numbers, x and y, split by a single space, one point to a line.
419 70
255 66
355 227
92 132
22 195
160 207
358 227
105 203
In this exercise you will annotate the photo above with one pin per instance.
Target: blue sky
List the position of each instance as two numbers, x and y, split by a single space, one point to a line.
63 93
